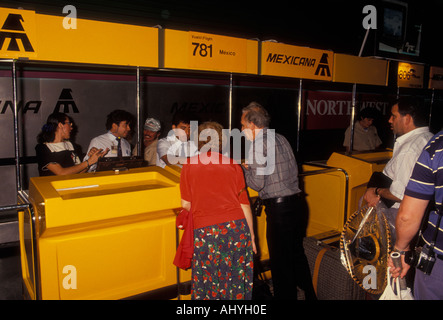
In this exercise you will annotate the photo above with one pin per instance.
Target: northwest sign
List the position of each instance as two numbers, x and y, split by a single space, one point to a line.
332 110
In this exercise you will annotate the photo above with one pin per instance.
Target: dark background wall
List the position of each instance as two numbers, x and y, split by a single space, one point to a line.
333 24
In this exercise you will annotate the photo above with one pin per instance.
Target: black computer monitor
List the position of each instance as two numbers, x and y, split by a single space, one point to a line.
394 24
123 163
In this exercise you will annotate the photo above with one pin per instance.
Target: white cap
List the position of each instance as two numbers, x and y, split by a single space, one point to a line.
152 124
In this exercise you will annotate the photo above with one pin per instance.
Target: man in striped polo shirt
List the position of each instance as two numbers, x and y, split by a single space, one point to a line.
425 184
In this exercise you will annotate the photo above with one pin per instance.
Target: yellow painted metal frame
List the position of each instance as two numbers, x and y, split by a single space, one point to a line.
27 253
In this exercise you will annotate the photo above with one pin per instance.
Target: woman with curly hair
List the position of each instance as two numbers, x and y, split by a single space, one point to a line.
55 153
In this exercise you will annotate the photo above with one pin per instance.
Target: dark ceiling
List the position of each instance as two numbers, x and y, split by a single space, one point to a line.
334 24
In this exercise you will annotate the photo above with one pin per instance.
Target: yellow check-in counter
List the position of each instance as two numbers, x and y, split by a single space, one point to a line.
113 236
107 236
334 189
101 236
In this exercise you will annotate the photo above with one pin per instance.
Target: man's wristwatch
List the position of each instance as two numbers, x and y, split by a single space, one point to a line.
401 251
409 255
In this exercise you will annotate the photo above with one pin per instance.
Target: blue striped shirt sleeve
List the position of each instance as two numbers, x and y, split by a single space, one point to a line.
422 184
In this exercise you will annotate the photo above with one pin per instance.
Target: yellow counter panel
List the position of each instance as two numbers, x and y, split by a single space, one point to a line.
359 167
334 189
106 235
325 190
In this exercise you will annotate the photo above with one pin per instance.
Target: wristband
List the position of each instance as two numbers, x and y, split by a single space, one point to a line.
87 162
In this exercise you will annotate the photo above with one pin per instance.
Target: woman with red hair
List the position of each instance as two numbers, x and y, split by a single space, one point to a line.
213 190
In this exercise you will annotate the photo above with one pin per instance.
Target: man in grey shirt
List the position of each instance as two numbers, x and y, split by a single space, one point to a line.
271 170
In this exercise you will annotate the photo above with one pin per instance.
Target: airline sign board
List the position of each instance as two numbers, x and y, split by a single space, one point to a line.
360 70
209 52
410 75
18 36
279 59
436 78
26 34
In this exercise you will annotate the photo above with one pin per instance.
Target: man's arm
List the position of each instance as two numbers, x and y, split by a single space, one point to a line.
385 193
407 224
253 181
167 152
408 220
372 198
165 159
94 145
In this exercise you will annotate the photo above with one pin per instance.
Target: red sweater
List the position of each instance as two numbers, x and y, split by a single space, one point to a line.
215 189
185 250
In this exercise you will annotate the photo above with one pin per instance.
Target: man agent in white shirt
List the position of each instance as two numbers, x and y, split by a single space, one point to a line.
176 147
408 122
118 124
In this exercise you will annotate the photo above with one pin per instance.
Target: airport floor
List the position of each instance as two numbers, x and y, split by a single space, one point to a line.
10 273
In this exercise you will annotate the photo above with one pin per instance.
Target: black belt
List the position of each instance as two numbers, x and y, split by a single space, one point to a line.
281 200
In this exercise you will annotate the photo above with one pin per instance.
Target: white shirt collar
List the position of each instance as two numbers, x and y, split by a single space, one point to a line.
111 136
407 136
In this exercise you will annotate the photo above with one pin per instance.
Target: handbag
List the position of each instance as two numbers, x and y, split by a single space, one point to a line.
393 291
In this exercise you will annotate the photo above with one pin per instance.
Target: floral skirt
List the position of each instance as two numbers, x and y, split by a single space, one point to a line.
222 266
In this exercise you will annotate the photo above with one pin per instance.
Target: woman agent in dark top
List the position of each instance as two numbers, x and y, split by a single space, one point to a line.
56 154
